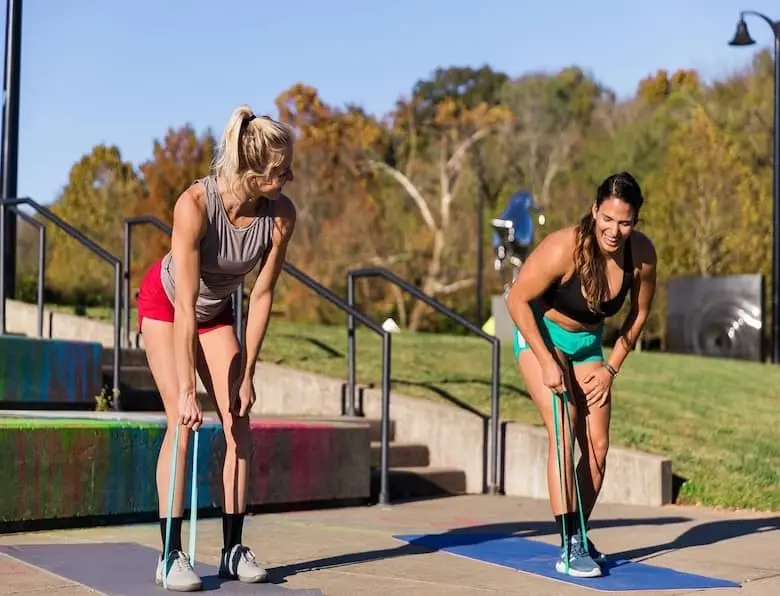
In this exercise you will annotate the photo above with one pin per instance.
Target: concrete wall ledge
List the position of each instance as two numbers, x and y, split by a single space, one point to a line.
632 477
458 438
455 437
85 466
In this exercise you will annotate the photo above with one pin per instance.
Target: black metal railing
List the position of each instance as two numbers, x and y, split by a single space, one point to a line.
354 314
40 292
87 243
493 487
130 222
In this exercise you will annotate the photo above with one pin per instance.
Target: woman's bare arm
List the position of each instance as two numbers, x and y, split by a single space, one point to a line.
549 261
642 296
188 227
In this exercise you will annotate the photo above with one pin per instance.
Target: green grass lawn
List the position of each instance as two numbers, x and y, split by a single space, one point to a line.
717 420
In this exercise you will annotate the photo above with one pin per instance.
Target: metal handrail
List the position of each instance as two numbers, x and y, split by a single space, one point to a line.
388 275
41 260
317 288
90 245
353 313
166 229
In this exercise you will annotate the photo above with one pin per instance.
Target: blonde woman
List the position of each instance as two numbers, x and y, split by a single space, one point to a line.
224 225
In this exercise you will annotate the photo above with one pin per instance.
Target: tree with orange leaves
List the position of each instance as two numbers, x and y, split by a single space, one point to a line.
433 182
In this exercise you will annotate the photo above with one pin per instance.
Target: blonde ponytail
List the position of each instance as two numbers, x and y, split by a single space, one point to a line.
253 150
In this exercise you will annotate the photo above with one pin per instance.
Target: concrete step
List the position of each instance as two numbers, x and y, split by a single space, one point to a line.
374 424
134 377
402 455
412 482
129 357
148 400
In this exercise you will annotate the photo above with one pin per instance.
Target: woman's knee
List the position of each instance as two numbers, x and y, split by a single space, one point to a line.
237 435
599 446
184 433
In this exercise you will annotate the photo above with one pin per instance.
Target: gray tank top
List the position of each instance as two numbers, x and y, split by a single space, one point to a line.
227 253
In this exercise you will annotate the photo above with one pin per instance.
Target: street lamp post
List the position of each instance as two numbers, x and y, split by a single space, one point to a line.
9 150
742 38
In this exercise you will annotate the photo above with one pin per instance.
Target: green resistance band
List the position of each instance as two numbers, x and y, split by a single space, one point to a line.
193 503
556 397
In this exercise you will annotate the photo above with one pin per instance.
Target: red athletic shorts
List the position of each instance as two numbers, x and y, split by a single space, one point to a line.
153 303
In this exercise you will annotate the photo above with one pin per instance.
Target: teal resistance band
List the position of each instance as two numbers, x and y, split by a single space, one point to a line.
558 448
193 503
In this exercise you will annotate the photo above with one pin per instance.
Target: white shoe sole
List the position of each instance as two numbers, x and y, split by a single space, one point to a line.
561 568
188 588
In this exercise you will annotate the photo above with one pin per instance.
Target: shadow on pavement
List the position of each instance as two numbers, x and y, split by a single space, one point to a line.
475 534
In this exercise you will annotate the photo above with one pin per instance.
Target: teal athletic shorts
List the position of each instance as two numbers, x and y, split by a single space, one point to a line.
578 346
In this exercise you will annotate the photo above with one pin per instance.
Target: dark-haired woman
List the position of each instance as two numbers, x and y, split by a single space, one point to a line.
572 281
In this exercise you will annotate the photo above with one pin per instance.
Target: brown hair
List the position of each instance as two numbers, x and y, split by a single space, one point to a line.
588 259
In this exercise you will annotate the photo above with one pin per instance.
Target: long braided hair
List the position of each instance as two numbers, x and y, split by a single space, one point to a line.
588 258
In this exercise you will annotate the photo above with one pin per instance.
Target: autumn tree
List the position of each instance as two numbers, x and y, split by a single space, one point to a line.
432 185
658 87
340 223
698 201
552 114
102 190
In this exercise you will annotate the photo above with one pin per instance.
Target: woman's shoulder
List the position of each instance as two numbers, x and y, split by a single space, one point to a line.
561 240
190 207
642 249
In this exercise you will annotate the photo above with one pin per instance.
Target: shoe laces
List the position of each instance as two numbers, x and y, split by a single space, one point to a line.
179 561
577 548
247 555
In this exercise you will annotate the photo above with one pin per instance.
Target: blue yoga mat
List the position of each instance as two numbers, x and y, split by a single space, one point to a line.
538 558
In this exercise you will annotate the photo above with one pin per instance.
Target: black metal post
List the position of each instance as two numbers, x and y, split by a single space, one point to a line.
480 252
776 208
9 150
742 38
494 416
126 282
117 331
351 339
41 275
384 471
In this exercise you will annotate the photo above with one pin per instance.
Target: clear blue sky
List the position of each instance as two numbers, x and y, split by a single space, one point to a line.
97 71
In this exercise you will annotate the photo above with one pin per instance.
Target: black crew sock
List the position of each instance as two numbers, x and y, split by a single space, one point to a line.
232 527
175 532
569 521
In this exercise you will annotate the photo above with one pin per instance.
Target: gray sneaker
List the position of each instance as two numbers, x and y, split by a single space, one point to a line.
181 576
580 562
239 563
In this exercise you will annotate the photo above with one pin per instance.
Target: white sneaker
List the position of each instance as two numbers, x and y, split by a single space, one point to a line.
181 576
239 563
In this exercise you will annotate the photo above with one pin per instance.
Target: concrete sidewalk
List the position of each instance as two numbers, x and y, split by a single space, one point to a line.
351 551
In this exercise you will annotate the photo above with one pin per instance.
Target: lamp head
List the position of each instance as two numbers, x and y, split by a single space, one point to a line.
742 35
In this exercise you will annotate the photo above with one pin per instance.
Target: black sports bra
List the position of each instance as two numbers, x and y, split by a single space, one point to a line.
566 297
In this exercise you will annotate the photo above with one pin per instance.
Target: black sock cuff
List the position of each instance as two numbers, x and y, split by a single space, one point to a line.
176 524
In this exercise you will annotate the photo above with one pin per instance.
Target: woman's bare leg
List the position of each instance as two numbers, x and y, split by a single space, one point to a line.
158 339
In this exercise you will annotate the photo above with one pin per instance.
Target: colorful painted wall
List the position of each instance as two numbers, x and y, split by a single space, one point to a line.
49 371
61 468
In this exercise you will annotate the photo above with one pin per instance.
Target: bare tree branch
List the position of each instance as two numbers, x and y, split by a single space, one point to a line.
388 260
451 288
410 189
457 156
